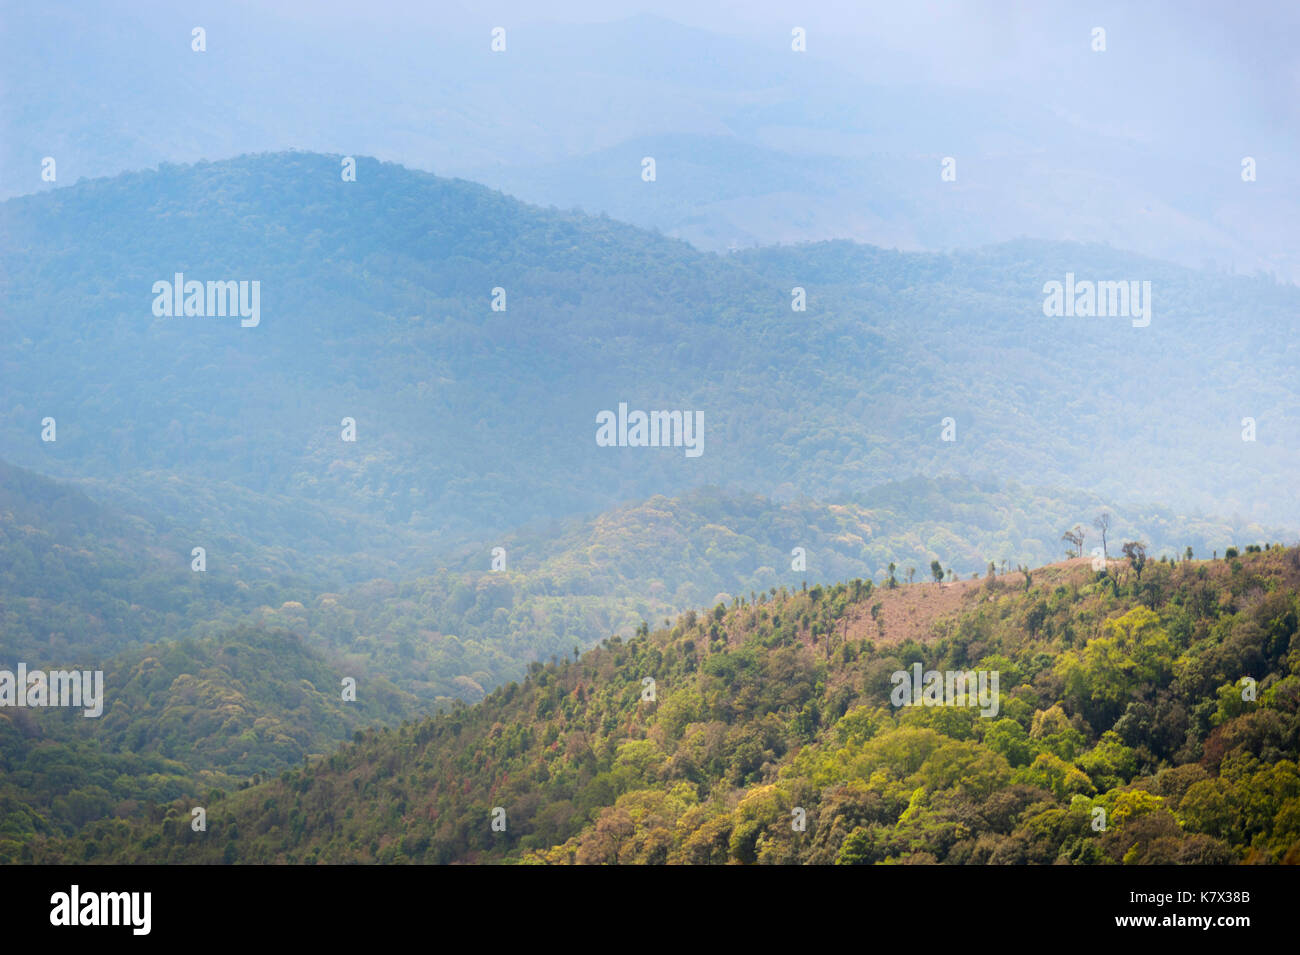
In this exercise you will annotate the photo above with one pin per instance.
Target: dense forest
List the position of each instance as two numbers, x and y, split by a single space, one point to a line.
183 718
499 585
473 420
220 680
81 582
1149 713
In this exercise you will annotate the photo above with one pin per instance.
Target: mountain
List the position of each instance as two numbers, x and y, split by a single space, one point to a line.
82 581
1146 713
214 678
844 140
723 192
443 432
376 306
180 719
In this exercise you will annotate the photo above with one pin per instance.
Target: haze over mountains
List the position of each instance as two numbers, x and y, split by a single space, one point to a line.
407 452
376 304
84 582
1139 146
824 430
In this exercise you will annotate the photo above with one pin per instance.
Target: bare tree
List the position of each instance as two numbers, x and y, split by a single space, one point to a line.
1102 523
1075 539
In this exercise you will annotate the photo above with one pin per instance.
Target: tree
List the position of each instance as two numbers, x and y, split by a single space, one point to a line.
936 569
1187 554
1137 557
1075 539
1028 577
893 582
859 848
1102 523
1133 656
911 572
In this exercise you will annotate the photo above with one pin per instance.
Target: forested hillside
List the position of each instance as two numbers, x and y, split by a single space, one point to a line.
377 305
920 419
1127 690
181 718
81 582
466 628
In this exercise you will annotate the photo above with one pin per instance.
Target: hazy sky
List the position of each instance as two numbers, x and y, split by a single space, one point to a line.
1140 145
1190 63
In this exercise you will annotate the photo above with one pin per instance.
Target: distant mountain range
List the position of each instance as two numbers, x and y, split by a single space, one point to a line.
860 414
755 144
581 502
376 305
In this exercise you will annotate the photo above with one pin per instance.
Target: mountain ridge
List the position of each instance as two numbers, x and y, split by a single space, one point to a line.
758 711
850 394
